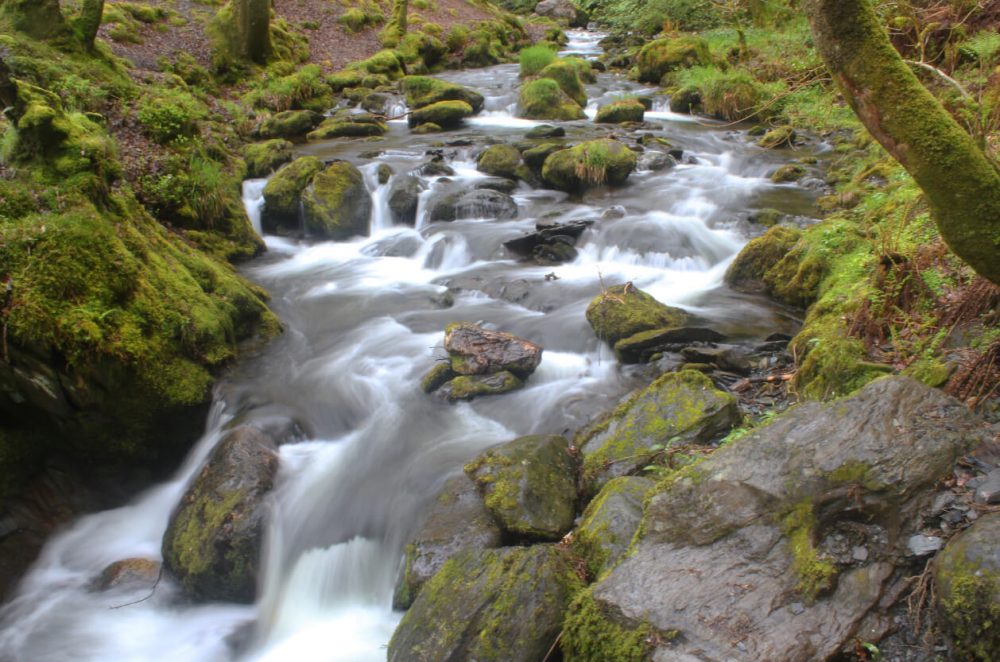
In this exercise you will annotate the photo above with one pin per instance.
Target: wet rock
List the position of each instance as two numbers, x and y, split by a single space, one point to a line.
436 377
921 545
289 124
445 114
467 387
733 547
501 184
457 522
782 136
767 217
265 157
212 543
424 91
436 167
535 156
678 408
544 99
749 270
790 172
500 161
283 194
589 164
478 351
685 100
384 173
616 112
349 125
656 161
566 72
337 204
563 11
400 245
613 213
129 573
549 241
735 359
529 486
665 55
624 310
610 521
989 490
494 605
425 128
477 203
404 197
640 347
545 131
967 590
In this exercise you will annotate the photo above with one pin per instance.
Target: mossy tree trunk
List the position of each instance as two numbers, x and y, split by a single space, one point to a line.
252 22
89 21
397 24
961 184
41 19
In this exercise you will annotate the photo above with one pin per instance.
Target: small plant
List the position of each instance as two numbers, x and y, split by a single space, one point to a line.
353 20
170 115
534 59
594 162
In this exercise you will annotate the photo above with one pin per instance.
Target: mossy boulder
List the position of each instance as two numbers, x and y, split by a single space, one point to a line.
592 163
283 193
662 56
544 99
423 91
534 157
343 125
467 387
543 131
337 204
642 346
967 590
129 574
263 158
500 161
444 114
567 75
289 124
610 521
782 136
457 522
213 541
789 172
385 62
625 310
748 270
678 408
529 486
503 605
685 100
616 112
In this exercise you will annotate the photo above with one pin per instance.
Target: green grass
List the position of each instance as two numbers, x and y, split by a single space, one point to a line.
535 58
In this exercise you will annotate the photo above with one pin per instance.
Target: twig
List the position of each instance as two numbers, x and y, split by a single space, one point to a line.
552 648
933 69
152 591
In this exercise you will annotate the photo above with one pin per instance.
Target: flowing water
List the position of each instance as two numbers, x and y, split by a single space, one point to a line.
364 320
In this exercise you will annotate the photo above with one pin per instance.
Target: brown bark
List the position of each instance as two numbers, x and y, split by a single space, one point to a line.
252 19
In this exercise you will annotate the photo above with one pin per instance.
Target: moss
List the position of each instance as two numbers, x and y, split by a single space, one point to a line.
789 172
423 91
535 58
435 377
265 157
759 256
283 192
336 204
302 89
815 574
385 62
427 127
616 315
289 124
499 160
446 114
566 74
420 48
616 112
662 56
593 538
349 127
782 136
590 634
967 602
544 99
469 387
930 371
588 164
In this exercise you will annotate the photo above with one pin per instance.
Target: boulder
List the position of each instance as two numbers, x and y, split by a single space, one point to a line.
544 99
404 198
782 136
677 409
789 172
501 184
424 91
545 131
625 310
212 543
731 358
549 244
610 521
457 522
529 486
563 11
616 112
437 377
283 193
478 351
749 271
349 125
685 100
967 590
467 387
289 124
567 74
445 114
656 161
593 163
503 605
436 167
477 203
640 347
759 543
263 158
535 156
662 56
500 161
337 203
133 573
426 127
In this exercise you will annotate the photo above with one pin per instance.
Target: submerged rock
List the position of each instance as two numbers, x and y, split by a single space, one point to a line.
589 164
457 522
129 573
742 544
477 203
404 198
503 605
337 204
529 486
212 543
624 310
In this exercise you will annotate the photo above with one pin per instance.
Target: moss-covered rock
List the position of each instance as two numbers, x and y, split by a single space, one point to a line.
436 377
567 75
610 521
592 163
662 56
967 590
499 160
212 544
467 387
624 310
534 157
503 605
349 126
427 127
265 157
544 99
386 62
445 114
616 112
336 203
678 408
529 486
283 193
543 131
789 172
782 136
457 522
591 631
685 100
289 124
759 256
423 91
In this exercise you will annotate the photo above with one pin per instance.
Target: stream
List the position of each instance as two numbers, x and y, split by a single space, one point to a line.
364 321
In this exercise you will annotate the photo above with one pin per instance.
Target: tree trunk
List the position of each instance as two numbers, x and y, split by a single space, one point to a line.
252 22
396 28
89 21
41 19
961 184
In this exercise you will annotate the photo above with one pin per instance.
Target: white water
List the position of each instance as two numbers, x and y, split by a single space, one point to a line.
362 327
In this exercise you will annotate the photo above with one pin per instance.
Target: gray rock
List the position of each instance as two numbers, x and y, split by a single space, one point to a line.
477 351
656 161
404 196
989 490
564 11
610 521
921 545
725 357
545 131
478 203
135 573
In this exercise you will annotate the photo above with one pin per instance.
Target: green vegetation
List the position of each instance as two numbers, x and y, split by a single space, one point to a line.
535 58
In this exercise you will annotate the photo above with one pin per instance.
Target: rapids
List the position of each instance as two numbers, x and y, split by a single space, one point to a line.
363 322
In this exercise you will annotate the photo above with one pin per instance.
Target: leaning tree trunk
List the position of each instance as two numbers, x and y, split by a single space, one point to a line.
41 19
961 184
89 21
252 22
396 29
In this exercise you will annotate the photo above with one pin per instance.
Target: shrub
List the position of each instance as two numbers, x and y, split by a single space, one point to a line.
457 38
535 58
170 115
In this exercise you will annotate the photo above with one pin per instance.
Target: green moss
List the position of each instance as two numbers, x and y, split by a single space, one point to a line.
302 89
662 56
348 127
535 58
616 315
499 160
816 574
789 172
566 74
420 48
616 112
423 91
284 191
782 136
968 605
733 94
588 164
544 99
265 157
590 634
288 124
468 387
336 203
446 114
593 538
